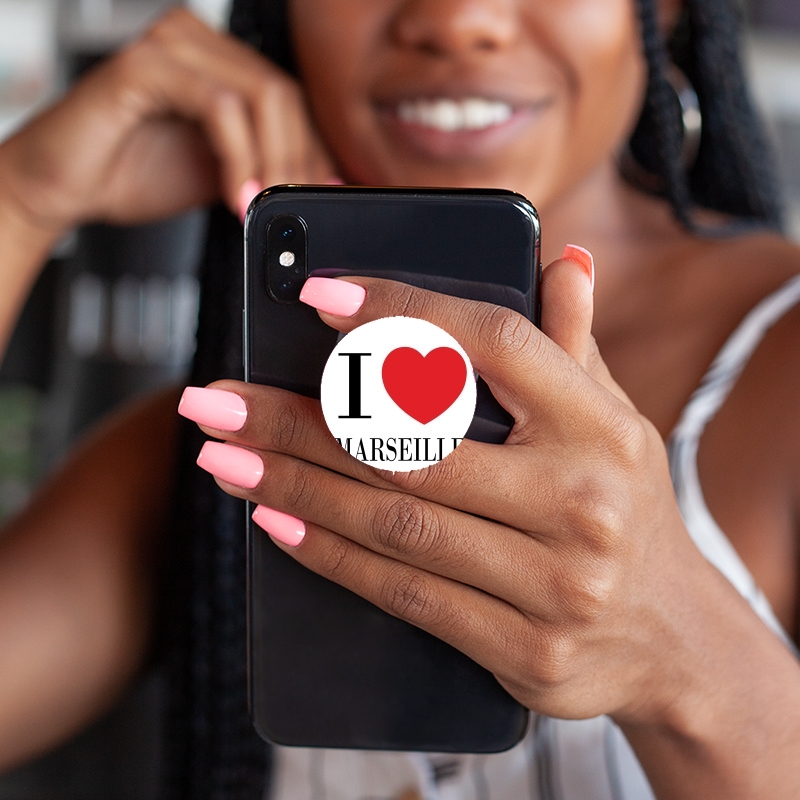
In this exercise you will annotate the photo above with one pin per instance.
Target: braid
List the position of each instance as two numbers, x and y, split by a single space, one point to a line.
656 143
733 173
265 25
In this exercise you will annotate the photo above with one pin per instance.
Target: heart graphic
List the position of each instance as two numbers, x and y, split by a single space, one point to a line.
424 386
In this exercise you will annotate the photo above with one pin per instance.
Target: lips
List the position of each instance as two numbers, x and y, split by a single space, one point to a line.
455 130
458 122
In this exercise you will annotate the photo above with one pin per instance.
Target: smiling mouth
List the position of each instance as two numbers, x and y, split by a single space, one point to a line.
458 129
450 116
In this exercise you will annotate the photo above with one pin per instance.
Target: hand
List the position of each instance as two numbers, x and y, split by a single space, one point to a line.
551 559
179 118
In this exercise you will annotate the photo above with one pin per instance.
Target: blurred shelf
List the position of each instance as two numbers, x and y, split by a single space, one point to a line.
773 59
104 25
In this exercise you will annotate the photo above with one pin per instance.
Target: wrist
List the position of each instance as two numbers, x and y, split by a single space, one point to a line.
23 235
34 212
25 244
724 717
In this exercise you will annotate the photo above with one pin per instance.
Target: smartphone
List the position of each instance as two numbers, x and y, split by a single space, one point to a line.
327 668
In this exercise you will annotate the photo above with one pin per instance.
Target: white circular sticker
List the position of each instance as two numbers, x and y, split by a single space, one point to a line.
398 393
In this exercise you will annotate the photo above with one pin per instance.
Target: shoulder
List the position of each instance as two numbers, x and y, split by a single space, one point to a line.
751 260
732 275
762 252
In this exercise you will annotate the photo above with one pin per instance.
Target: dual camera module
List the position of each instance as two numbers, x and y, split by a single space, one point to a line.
287 247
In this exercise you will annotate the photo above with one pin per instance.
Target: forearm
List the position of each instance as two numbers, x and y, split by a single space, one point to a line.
77 576
733 731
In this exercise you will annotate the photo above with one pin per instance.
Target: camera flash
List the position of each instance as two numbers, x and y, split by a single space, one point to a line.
286 258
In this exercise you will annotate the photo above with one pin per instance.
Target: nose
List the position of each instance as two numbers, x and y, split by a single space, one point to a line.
450 27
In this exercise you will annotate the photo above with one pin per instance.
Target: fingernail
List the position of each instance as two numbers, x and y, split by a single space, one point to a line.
580 255
250 188
232 464
334 180
216 408
283 527
334 296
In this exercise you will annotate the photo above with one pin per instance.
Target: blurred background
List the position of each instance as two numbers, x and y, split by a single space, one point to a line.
114 314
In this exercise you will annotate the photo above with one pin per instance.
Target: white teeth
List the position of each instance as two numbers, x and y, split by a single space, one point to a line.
449 115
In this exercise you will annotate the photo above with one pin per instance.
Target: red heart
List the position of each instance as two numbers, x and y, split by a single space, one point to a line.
424 386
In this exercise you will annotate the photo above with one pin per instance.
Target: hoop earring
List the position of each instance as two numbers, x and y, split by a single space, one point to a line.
691 120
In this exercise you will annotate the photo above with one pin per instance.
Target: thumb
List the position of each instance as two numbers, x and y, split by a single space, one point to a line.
568 303
567 310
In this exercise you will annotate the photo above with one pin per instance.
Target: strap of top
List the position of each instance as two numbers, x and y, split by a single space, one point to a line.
684 441
726 368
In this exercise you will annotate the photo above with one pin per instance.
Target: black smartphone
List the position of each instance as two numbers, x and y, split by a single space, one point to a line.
327 668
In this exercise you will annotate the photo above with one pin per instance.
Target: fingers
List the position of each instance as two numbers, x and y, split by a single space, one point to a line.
169 87
449 610
420 533
266 418
251 114
288 148
515 485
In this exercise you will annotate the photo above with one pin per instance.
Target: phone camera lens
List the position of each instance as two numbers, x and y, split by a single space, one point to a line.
286 257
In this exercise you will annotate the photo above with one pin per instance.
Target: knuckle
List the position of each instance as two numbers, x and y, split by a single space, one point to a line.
595 515
408 300
224 101
300 489
288 427
518 640
334 559
133 59
506 333
627 438
406 525
131 72
551 665
588 592
267 95
412 598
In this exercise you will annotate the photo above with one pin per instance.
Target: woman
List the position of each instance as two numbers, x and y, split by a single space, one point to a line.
581 583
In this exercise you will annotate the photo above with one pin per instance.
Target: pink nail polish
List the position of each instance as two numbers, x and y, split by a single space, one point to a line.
249 190
216 408
580 255
333 296
283 527
232 464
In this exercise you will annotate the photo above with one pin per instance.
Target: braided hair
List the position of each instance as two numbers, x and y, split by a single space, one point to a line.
212 750
733 172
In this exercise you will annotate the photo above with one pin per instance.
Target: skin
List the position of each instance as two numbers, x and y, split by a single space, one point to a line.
577 583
